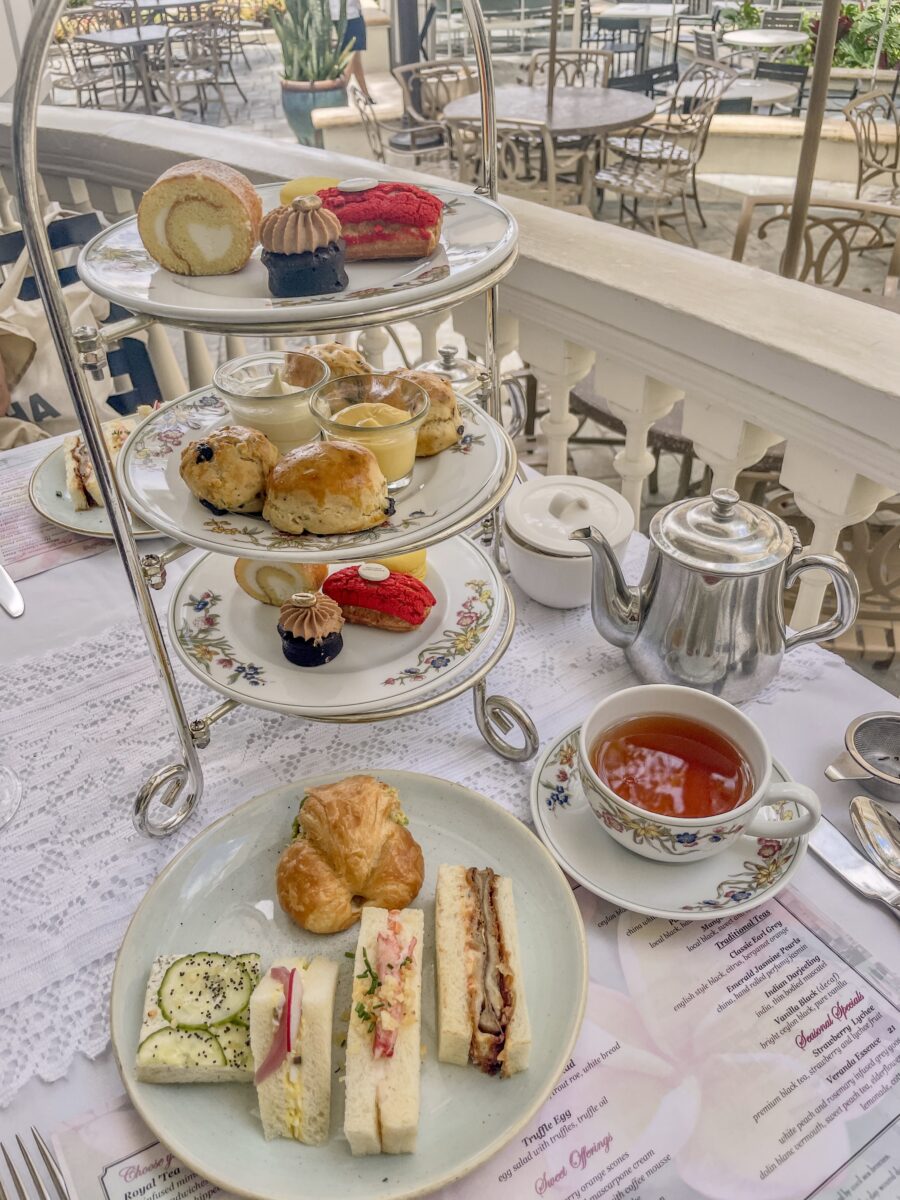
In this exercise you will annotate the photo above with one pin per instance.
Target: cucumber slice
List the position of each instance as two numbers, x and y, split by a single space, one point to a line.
181 1048
250 962
234 1038
204 989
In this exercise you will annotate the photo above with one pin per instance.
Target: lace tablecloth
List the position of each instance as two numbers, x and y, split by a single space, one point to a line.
85 725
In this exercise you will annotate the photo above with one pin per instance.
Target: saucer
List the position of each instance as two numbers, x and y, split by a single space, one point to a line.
742 876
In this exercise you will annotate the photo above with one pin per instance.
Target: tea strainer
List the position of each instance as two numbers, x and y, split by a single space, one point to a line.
872 755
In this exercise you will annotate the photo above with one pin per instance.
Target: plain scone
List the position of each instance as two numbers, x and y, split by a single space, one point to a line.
443 425
327 487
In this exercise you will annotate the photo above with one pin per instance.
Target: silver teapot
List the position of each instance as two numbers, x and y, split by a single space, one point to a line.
709 611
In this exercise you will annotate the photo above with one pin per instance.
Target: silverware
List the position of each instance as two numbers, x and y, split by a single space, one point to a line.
40 1188
854 868
872 755
879 834
10 596
709 611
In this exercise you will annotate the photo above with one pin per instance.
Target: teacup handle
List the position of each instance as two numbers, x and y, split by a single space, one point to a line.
795 827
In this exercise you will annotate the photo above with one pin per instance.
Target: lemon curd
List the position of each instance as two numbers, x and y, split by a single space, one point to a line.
395 449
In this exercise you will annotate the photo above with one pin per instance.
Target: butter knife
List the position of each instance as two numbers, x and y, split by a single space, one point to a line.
10 596
842 857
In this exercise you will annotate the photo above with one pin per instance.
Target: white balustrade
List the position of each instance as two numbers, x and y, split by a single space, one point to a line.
757 359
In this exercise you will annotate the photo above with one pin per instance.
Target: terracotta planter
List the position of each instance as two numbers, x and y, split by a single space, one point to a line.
299 98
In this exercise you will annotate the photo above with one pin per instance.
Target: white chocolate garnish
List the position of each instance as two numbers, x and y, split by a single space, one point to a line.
374 572
360 183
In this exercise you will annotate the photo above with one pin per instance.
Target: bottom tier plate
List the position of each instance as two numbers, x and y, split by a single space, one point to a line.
230 641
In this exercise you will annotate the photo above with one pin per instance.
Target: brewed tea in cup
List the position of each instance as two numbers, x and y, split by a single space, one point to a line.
672 765
676 775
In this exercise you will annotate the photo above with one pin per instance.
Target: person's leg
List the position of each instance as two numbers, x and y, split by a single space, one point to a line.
356 32
358 73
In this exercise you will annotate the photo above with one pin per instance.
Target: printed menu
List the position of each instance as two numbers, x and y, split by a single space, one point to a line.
752 1058
30 545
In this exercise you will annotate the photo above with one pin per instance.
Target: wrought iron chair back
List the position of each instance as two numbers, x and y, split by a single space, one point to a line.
836 232
428 87
875 120
367 119
574 68
699 91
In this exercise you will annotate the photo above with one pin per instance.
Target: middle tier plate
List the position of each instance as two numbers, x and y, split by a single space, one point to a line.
230 641
449 491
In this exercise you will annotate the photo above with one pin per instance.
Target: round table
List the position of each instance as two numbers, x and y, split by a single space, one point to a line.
756 40
762 92
575 110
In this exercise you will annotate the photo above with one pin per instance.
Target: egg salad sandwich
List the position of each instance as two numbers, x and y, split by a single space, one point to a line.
482 1014
381 1112
291 1013
81 480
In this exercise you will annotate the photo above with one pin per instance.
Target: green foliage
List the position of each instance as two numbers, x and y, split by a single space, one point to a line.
309 40
857 36
746 16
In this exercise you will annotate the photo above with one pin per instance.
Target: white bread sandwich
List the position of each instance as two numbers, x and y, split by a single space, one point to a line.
290 1035
381 1112
194 1027
81 480
482 1014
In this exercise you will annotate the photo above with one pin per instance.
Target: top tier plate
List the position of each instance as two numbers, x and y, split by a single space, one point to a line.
477 248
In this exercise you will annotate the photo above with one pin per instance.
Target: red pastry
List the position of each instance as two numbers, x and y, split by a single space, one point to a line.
373 595
389 220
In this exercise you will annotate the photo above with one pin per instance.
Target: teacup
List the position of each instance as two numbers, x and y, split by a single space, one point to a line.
686 839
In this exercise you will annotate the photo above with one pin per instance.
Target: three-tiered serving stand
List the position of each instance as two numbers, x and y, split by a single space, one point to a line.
168 797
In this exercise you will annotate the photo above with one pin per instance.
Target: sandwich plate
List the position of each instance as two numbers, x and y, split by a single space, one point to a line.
49 496
448 492
219 893
748 873
477 246
230 641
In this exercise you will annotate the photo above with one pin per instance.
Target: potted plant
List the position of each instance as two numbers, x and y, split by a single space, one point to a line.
314 64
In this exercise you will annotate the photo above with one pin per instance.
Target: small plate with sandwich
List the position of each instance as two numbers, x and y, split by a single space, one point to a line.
355 986
63 487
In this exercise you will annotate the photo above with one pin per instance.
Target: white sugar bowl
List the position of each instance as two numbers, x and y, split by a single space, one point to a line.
537 520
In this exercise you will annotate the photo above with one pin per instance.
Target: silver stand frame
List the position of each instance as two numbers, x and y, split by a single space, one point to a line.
176 788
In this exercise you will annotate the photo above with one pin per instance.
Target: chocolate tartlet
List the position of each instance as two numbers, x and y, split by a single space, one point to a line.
303 251
310 626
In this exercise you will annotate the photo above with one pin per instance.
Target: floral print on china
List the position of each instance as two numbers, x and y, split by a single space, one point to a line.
472 619
200 637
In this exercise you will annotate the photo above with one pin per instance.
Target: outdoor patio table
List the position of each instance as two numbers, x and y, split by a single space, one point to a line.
135 41
762 92
757 40
644 14
575 110
97 726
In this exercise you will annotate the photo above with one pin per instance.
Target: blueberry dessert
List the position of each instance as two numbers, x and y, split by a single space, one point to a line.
310 626
302 249
227 470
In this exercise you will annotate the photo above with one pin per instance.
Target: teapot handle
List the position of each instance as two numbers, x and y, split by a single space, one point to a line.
846 589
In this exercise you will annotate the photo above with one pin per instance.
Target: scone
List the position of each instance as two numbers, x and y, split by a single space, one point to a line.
227 469
339 359
275 583
327 487
443 426
200 218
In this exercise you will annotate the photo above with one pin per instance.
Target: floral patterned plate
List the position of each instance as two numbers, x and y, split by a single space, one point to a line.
448 492
744 875
230 641
477 247
49 496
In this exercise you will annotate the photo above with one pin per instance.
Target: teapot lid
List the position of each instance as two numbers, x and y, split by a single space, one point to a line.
544 511
722 534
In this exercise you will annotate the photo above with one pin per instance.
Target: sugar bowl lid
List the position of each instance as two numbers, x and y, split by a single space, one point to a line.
722 534
544 511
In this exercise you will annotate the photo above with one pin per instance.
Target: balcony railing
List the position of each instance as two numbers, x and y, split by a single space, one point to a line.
754 359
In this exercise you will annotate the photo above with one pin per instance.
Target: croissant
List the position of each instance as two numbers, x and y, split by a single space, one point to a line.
352 849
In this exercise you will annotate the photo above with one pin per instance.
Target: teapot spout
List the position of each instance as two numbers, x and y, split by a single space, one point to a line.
615 607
